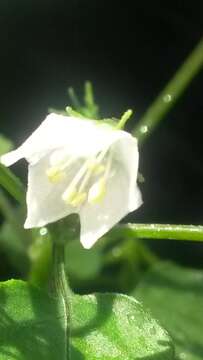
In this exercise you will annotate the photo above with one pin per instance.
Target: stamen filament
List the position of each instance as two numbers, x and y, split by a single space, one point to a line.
67 164
76 194
79 174
71 193
98 189
108 166
56 173
79 199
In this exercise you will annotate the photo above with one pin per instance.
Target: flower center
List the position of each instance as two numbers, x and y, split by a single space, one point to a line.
89 182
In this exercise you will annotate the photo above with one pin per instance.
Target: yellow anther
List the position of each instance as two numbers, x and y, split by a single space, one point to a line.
99 169
54 174
91 165
96 168
97 191
79 199
69 195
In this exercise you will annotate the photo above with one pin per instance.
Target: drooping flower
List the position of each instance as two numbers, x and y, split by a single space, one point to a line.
79 166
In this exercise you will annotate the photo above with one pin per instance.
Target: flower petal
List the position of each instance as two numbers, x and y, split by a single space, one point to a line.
44 199
97 219
11 157
79 136
126 150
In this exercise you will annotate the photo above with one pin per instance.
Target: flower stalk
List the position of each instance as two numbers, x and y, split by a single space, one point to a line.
162 231
170 94
62 289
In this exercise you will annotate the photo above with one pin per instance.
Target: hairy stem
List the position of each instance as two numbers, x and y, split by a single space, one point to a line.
170 94
62 289
162 231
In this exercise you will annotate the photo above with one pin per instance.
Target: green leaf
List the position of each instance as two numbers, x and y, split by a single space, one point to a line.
31 325
104 327
5 145
175 297
112 326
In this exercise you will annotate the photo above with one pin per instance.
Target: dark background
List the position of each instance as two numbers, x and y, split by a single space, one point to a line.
129 50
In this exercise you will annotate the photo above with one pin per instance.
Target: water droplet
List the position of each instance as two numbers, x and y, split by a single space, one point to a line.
144 129
116 252
167 98
152 330
131 318
43 231
182 356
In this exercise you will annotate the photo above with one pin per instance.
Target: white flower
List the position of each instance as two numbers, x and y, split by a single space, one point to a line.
79 166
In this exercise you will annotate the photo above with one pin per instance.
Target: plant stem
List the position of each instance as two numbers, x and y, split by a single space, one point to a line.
170 94
6 209
40 253
162 231
10 216
62 289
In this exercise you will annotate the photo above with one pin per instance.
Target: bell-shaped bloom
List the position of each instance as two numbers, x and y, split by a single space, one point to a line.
79 166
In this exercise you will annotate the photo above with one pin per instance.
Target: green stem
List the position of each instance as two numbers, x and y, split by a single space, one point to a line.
40 253
10 215
73 98
124 118
162 231
62 288
170 94
12 184
6 209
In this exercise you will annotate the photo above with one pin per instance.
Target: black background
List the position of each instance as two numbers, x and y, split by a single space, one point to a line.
129 50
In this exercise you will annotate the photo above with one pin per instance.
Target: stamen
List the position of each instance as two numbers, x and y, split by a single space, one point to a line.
55 174
66 164
76 194
97 191
79 199
108 166
96 167
69 195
